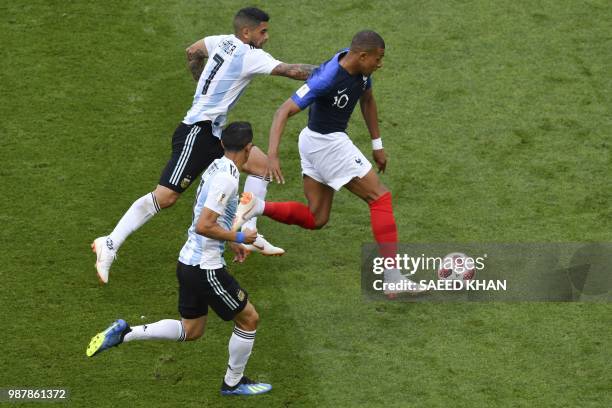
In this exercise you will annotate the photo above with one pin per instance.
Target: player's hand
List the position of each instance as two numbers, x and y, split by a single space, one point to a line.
249 235
274 171
240 252
380 158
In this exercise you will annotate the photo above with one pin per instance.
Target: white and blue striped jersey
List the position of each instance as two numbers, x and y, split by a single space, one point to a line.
217 191
230 67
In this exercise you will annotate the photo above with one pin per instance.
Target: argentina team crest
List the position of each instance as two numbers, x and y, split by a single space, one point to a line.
240 295
185 182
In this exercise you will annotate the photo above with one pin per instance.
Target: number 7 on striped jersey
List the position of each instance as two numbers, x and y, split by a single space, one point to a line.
218 62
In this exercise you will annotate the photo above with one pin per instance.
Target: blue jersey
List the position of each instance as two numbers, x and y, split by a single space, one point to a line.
332 93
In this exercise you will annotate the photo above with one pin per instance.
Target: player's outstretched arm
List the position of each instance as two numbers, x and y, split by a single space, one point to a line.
370 115
207 226
196 57
300 72
282 114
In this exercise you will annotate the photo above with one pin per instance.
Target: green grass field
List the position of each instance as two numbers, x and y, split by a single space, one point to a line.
496 116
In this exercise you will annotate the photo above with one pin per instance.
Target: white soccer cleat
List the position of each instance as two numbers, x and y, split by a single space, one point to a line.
105 255
403 285
262 246
246 209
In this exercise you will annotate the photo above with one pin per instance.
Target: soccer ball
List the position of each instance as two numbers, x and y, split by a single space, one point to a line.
456 266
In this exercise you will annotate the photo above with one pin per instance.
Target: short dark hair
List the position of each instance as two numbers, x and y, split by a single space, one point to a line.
249 17
366 41
236 136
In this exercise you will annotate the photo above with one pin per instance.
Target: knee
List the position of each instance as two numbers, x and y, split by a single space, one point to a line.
321 217
166 198
193 333
321 221
250 322
376 193
253 320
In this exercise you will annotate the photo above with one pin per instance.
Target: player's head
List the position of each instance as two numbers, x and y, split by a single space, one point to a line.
237 140
251 26
369 47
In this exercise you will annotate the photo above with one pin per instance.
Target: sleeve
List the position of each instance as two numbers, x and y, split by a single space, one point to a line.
211 42
258 61
223 187
314 87
368 83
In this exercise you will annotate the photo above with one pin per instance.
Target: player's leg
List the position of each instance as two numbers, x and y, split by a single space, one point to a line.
194 147
241 343
192 308
257 184
168 329
319 195
240 347
378 197
106 247
312 216
230 302
370 189
320 198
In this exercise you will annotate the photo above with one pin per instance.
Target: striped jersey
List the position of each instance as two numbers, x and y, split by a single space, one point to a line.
218 191
230 67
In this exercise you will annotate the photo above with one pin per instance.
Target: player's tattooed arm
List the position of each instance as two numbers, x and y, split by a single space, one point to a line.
296 71
196 58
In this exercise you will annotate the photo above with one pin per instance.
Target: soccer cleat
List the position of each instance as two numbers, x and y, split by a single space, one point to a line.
245 387
105 255
111 337
403 284
264 247
246 209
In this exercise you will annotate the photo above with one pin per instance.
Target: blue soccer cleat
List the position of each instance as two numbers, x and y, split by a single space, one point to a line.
111 337
245 387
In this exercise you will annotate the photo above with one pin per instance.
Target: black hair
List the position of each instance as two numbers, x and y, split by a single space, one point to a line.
366 41
236 136
249 17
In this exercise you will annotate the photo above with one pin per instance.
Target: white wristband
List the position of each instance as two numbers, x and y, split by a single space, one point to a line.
377 144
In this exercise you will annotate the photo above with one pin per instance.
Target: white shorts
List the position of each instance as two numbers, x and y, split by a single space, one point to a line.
331 158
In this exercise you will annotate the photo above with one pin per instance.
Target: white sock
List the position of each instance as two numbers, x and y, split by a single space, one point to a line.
167 329
259 187
240 346
139 213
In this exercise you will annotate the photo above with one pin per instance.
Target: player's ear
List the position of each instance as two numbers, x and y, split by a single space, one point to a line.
245 32
222 145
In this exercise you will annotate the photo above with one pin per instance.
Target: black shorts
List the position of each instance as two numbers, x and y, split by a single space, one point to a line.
194 147
199 288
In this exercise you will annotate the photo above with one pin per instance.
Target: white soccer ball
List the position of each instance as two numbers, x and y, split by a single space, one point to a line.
456 266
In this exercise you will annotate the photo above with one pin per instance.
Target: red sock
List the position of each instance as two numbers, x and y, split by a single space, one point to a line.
383 225
290 212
